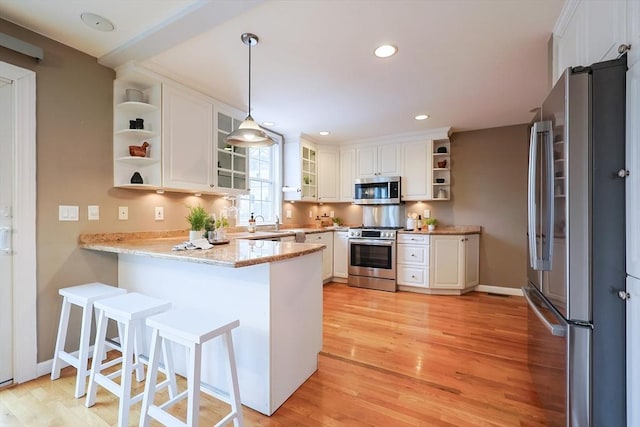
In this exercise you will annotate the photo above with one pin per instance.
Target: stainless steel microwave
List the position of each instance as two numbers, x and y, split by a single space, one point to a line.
379 190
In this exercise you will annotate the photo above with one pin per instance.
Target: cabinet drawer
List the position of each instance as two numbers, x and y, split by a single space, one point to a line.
413 254
416 239
413 276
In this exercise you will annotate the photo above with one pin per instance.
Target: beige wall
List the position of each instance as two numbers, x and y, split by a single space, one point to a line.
74 167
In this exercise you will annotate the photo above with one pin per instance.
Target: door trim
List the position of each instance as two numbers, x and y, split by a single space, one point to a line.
24 220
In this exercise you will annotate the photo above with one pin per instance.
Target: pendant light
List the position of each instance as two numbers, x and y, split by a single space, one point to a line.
249 133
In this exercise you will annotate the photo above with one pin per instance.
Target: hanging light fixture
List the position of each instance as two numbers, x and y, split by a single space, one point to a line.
249 133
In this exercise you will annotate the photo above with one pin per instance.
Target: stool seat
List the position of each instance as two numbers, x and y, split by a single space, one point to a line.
129 311
83 296
191 329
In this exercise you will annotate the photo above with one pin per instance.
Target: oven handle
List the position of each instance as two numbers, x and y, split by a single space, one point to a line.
373 242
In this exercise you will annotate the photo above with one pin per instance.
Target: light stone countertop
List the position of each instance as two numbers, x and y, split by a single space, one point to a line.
236 253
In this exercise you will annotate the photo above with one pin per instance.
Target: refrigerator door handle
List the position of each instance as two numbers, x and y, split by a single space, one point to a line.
531 197
555 328
546 128
540 130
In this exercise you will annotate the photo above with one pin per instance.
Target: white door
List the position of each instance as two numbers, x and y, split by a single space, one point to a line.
6 196
633 351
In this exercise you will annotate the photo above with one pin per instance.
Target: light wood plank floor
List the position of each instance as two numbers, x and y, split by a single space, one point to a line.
388 359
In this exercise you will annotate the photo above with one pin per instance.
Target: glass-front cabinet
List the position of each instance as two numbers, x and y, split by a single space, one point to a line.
301 171
232 161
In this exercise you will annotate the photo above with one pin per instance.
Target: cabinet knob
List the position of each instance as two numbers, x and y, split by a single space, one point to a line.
211 185
624 295
623 173
413 277
413 255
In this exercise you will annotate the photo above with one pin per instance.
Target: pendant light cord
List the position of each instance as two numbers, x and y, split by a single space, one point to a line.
250 43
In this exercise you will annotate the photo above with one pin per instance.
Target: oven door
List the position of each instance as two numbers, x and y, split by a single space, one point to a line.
372 258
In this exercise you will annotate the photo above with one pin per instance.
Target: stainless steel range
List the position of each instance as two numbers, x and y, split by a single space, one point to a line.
372 258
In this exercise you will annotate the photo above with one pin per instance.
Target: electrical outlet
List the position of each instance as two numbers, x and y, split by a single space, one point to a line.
68 213
93 212
159 215
123 213
288 213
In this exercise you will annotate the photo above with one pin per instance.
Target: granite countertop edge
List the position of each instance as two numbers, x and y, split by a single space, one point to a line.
447 230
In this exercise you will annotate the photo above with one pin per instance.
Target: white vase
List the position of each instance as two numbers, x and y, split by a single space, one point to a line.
195 235
431 227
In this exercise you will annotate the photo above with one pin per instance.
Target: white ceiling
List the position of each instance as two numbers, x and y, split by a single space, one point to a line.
469 64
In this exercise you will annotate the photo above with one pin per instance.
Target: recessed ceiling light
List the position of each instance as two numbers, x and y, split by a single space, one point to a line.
97 22
385 51
268 123
324 133
422 117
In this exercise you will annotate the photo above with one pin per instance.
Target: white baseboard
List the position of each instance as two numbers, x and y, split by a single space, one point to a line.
501 290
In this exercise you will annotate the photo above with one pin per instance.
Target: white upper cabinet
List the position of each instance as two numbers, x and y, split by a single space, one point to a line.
328 163
416 167
378 160
347 174
300 170
231 162
187 133
589 31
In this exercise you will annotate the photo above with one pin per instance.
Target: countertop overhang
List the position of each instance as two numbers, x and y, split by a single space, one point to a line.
236 253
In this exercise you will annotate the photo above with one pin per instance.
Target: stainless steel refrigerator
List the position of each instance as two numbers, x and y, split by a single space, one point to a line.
576 248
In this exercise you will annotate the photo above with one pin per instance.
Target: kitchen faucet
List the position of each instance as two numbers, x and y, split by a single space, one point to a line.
277 223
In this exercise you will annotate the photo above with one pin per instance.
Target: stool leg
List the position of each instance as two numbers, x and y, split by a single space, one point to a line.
127 371
139 329
234 392
193 384
169 371
152 373
96 363
83 351
61 339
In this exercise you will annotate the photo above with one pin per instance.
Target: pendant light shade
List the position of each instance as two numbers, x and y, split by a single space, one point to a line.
249 133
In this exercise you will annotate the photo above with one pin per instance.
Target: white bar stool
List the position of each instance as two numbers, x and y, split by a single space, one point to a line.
191 329
83 296
129 311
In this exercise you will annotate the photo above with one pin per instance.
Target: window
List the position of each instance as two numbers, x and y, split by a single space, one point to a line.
265 197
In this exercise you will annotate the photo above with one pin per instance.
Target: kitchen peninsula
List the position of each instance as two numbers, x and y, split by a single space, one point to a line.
273 288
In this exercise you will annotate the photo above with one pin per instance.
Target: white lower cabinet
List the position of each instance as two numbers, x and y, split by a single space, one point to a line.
412 260
327 254
341 254
633 351
454 261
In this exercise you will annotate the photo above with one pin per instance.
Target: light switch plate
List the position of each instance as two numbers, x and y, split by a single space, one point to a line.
93 212
159 213
288 213
426 213
123 213
68 213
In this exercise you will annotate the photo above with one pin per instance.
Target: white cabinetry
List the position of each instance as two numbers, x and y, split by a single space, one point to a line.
378 160
589 31
328 163
327 253
441 169
412 261
416 170
232 162
125 110
347 174
300 170
187 155
454 262
633 352
632 184
341 254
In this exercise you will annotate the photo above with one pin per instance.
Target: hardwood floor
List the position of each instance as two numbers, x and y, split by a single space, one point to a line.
388 359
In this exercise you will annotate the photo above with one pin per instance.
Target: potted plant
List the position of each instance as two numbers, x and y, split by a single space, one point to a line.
197 219
215 228
431 223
